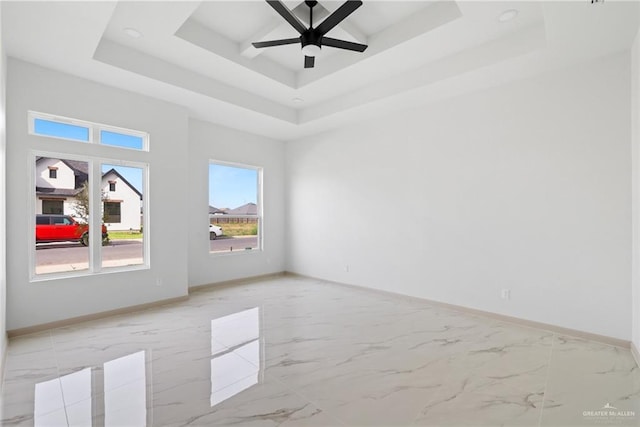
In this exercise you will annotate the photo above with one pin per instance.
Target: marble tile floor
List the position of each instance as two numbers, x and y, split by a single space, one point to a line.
291 351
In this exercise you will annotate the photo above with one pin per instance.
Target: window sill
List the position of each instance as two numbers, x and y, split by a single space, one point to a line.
236 253
86 273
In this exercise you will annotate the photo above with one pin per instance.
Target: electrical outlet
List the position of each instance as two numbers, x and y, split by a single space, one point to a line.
346 268
506 294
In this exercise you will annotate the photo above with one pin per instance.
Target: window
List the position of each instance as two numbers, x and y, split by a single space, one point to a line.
59 129
89 211
235 212
60 241
53 207
121 140
112 212
123 214
78 130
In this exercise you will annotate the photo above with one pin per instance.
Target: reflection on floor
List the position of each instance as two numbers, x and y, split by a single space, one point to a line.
298 352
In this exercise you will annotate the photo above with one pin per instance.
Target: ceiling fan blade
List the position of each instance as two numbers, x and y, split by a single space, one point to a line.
342 44
288 15
276 42
338 16
309 61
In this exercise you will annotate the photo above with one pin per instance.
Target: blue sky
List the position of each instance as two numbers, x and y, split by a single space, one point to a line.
81 133
230 187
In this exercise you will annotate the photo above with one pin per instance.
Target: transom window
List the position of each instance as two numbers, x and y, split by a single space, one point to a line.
48 125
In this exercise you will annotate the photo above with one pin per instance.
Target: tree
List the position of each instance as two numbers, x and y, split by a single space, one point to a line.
81 205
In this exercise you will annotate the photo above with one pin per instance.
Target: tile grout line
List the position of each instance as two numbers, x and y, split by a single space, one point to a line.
546 382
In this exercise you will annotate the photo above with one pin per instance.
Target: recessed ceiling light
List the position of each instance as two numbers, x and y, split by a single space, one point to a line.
133 33
298 100
508 15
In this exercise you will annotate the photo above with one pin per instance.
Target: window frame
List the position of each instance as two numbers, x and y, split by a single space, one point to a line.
260 212
94 130
95 217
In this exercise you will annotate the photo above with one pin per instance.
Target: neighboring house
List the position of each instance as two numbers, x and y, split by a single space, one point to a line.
216 211
58 183
122 202
247 209
237 215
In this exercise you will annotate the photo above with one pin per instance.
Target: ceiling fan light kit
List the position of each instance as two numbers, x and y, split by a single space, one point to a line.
312 39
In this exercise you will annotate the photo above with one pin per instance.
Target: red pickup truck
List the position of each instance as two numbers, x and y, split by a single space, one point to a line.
63 228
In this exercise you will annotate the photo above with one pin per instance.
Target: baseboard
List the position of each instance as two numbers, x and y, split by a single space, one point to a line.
235 282
635 353
603 339
79 319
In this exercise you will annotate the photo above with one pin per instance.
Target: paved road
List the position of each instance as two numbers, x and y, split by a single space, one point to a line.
73 253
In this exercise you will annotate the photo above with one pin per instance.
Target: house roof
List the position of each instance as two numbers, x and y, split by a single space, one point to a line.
77 166
56 192
247 209
214 210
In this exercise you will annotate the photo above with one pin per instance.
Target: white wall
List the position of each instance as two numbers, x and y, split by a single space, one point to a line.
635 124
34 88
3 264
212 142
525 187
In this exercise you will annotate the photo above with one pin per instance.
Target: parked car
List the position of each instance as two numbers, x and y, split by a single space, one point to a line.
63 228
214 231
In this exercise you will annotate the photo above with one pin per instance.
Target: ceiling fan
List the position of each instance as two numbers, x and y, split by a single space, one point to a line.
312 39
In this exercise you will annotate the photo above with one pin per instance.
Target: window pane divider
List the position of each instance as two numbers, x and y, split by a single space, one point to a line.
95 216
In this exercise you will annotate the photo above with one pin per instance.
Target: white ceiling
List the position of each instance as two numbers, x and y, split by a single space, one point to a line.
198 54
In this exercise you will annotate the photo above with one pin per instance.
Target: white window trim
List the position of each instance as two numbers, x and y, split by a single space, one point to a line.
259 187
94 130
95 181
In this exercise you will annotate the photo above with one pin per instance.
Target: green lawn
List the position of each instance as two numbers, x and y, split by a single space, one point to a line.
122 235
227 229
239 229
